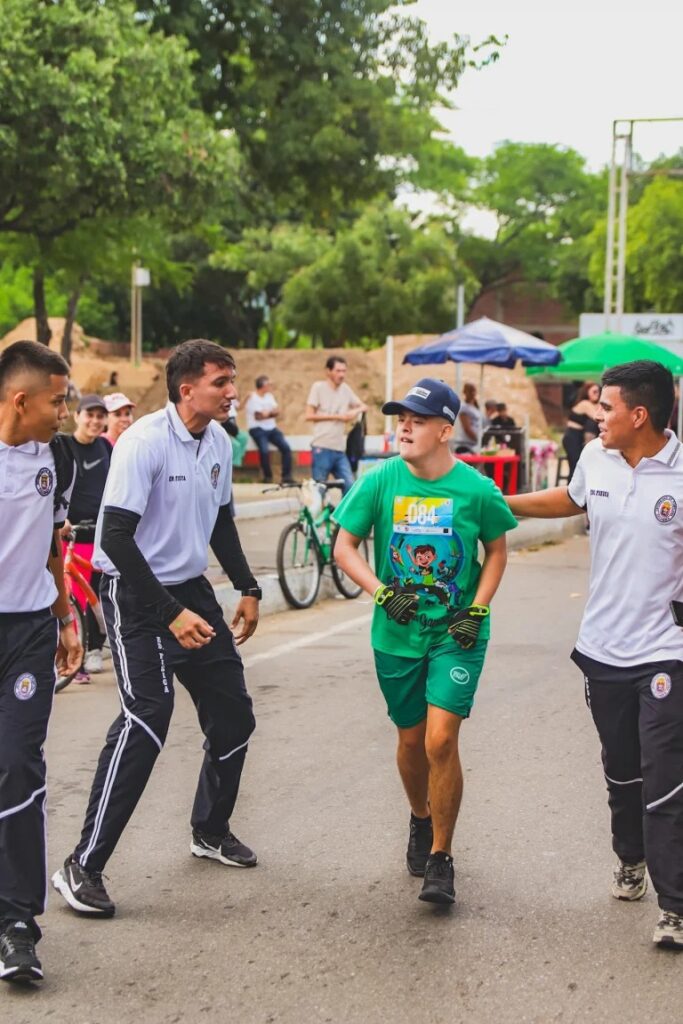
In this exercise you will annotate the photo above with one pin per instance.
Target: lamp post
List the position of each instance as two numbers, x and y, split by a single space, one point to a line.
140 278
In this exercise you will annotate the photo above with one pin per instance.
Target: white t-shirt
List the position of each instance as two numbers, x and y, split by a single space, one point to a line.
176 484
460 437
27 485
260 403
636 538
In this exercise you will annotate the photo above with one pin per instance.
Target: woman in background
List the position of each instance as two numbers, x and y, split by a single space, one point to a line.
581 425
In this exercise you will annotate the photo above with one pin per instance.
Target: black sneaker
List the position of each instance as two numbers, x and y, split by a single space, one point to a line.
83 890
18 960
419 845
439 879
227 849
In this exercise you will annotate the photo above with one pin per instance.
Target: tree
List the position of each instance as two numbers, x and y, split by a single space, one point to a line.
544 201
381 276
99 124
331 100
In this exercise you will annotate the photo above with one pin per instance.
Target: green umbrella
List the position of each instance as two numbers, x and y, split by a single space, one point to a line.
586 358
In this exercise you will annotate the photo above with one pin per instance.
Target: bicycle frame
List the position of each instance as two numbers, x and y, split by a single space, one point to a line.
72 561
323 548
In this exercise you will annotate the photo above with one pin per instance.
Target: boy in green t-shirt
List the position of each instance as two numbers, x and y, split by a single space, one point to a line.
431 623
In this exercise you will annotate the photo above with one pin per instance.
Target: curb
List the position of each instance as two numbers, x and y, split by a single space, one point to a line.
529 533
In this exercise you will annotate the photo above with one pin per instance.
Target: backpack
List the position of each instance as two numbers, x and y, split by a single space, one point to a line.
65 470
355 443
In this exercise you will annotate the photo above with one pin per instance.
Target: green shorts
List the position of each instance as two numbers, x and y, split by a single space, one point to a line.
446 676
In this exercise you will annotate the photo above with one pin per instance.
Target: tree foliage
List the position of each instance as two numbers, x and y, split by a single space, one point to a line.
326 97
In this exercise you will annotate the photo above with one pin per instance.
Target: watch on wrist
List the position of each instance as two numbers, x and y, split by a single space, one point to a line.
253 592
66 620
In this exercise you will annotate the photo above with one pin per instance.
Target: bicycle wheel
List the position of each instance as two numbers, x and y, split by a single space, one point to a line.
79 622
298 568
344 583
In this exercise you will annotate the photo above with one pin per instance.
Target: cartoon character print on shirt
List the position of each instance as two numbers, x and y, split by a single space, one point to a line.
426 556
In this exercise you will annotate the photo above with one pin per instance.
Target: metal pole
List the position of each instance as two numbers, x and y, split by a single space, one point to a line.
481 407
611 206
389 382
461 305
133 316
138 320
621 242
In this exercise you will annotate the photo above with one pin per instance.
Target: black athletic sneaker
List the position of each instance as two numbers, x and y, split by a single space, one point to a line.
18 960
439 879
227 849
419 845
83 890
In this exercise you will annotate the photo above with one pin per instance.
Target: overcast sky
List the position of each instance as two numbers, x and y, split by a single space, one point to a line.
567 71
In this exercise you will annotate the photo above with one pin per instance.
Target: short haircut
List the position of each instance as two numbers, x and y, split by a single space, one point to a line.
491 403
25 356
261 381
332 361
187 362
427 548
647 383
501 406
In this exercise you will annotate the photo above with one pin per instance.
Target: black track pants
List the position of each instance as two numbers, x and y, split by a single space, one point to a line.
638 712
146 659
28 641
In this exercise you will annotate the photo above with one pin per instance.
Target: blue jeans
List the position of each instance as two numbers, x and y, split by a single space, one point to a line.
327 461
264 438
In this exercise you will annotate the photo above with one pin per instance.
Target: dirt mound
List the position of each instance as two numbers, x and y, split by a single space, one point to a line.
26 331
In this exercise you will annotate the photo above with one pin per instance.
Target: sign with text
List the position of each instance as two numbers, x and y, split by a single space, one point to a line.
658 327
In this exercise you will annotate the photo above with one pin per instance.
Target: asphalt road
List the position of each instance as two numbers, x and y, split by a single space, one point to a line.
328 927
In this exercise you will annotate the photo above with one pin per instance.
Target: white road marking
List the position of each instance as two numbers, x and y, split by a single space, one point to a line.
305 641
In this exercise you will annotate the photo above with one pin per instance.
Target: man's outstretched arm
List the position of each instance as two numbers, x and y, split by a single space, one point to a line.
554 503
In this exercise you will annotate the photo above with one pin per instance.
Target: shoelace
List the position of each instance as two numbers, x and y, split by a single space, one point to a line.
629 874
18 942
439 868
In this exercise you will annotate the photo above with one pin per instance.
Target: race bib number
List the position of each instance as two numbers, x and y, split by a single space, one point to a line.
424 516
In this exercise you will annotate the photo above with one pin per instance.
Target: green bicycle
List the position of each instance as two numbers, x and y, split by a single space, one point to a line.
305 549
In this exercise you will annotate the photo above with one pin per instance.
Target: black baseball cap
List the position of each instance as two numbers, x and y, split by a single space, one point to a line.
429 397
91 402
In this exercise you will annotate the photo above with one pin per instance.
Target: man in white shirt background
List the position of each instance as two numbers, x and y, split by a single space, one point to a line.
262 413
331 404
629 480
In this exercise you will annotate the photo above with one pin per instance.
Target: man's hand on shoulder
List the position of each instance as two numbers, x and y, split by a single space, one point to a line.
191 630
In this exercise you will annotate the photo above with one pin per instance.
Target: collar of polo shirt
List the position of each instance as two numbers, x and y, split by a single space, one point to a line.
668 455
181 430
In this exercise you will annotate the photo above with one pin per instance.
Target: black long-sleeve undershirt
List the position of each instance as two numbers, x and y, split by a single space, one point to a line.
118 543
227 547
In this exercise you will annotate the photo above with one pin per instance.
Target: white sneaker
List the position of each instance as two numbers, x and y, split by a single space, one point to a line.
669 930
93 662
629 881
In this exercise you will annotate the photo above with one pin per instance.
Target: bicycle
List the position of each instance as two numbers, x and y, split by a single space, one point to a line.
305 548
73 563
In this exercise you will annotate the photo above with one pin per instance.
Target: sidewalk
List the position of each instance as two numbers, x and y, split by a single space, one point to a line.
261 518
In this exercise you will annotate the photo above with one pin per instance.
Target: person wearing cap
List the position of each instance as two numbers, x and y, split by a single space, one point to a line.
120 416
92 456
629 481
431 622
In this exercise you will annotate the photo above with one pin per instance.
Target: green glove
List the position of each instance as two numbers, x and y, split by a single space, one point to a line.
465 625
400 605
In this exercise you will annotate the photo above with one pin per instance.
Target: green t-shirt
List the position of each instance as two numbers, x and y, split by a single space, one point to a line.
426 535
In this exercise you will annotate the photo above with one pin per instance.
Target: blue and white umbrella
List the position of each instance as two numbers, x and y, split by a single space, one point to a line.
486 342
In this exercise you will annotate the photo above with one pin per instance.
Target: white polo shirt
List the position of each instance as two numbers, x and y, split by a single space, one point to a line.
176 484
636 539
27 486
260 403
